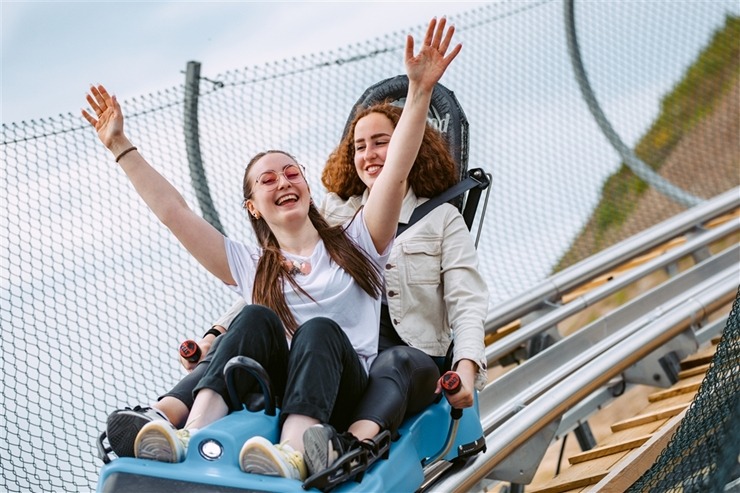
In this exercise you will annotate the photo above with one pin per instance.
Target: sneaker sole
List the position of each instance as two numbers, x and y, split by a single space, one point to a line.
122 429
156 444
316 445
263 460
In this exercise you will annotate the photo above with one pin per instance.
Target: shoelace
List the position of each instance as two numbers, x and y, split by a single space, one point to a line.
294 458
184 436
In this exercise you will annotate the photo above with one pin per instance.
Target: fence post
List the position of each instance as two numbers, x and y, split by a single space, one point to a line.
634 163
192 145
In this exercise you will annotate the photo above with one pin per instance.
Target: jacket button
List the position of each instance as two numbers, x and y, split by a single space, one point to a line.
395 321
391 293
388 266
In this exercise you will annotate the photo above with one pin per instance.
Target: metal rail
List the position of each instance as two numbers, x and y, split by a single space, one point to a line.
694 305
507 344
504 402
552 288
519 387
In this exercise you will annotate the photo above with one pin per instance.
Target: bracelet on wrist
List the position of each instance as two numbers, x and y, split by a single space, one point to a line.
212 331
124 152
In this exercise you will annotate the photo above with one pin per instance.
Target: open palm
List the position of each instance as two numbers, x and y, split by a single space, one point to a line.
108 121
427 67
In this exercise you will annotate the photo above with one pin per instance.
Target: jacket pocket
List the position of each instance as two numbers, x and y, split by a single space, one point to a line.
423 262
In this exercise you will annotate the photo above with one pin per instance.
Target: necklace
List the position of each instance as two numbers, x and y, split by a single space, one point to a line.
294 267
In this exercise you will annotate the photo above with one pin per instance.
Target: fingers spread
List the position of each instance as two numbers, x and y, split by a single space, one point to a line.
104 94
409 47
101 100
446 40
430 31
452 54
439 32
89 118
93 104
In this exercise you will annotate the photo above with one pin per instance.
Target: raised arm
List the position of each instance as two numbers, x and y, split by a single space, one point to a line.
424 70
203 241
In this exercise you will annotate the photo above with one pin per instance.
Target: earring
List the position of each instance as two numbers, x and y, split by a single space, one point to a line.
256 215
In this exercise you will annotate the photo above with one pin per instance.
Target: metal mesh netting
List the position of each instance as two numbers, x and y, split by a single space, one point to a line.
703 453
96 295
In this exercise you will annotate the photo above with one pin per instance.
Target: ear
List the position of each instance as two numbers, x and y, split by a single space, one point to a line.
249 205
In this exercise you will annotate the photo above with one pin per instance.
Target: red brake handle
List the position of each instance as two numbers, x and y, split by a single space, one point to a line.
451 382
190 351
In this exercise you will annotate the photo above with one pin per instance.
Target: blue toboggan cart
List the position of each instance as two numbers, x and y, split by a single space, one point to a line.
437 434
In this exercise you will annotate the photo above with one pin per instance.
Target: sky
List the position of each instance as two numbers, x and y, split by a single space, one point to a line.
52 51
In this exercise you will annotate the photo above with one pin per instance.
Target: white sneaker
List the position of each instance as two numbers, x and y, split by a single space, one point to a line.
260 456
159 440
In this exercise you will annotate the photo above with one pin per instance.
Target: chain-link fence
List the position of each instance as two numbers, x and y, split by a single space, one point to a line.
702 455
96 295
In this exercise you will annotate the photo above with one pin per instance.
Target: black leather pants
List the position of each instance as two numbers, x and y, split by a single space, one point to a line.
402 383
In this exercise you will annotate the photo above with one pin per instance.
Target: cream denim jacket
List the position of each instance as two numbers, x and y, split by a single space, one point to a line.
432 285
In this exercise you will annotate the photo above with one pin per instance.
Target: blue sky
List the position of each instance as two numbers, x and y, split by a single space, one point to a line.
52 51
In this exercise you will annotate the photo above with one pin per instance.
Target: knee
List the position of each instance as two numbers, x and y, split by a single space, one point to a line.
254 318
395 359
317 333
256 312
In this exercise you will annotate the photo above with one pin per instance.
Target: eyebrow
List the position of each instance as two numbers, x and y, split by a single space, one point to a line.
375 136
277 170
282 167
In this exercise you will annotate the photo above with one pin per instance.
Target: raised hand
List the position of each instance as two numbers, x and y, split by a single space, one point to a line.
108 119
427 67
204 242
424 70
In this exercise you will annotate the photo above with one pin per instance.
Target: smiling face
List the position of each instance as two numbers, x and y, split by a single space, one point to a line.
372 136
277 193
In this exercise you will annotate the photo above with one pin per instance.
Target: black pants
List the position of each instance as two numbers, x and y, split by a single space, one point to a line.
320 376
402 380
402 383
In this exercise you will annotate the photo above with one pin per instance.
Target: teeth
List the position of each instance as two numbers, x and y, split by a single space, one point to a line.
373 169
285 198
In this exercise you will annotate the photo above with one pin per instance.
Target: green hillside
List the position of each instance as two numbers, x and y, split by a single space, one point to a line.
706 82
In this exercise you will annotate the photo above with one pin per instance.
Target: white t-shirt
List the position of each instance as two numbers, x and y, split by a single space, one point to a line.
335 294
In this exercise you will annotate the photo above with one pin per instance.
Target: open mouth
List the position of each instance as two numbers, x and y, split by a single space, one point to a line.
287 199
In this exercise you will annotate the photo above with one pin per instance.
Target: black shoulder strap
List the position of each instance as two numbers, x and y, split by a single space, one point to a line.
431 204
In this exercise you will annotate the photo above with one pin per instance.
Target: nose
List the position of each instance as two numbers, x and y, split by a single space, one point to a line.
282 180
370 151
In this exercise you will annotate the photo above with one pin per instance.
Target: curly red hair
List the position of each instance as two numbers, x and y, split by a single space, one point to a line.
434 170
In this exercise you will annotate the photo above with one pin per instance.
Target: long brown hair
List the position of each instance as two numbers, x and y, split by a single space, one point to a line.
434 170
271 273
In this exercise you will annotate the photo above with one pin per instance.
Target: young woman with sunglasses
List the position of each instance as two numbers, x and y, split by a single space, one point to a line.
286 294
